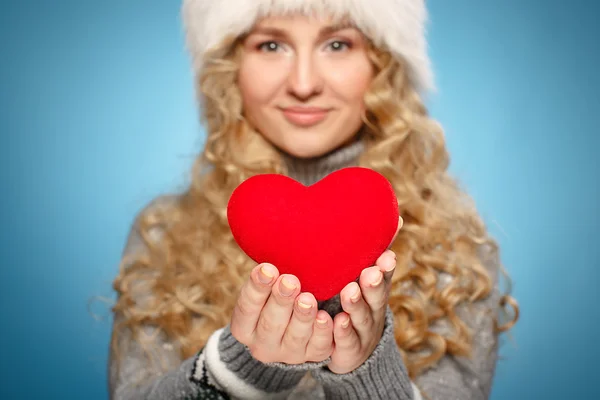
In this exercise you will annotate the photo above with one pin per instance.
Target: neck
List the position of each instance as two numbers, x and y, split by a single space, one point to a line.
310 170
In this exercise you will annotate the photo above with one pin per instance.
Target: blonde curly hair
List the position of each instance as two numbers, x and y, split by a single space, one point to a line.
195 270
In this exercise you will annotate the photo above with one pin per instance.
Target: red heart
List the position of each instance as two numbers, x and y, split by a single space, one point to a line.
325 234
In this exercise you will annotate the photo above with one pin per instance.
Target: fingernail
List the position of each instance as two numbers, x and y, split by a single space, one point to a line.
378 281
345 323
356 294
392 266
265 276
304 307
322 323
286 288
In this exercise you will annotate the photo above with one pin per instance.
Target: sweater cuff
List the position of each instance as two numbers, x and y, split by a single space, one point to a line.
231 365
382 376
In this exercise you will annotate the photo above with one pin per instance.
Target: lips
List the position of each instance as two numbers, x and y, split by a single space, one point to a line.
305 116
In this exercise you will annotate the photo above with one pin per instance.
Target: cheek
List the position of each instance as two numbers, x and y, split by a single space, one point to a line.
251 91
352 83
259 83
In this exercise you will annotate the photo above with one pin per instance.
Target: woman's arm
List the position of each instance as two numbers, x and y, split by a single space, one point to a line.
469 378
151 372
223 369
383 375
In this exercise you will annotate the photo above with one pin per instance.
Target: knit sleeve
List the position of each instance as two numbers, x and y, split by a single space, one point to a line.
148 366
469 378
382 376
223 369
153 372
218 371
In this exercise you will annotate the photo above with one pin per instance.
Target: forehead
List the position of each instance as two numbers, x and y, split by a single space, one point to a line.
322 23
298 17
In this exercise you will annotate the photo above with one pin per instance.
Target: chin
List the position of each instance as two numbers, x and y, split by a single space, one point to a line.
308 150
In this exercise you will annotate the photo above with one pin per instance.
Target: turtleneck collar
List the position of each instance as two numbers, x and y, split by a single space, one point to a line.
311 170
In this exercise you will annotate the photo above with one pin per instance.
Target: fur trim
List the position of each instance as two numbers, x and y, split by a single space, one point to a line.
398 25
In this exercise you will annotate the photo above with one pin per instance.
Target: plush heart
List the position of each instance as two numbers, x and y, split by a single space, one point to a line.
325 234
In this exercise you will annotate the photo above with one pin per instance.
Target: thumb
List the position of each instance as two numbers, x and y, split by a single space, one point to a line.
400 223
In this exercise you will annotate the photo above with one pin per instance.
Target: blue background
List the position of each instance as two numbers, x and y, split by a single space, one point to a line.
97 117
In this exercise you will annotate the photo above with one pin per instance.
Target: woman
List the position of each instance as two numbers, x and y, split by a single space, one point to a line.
304 88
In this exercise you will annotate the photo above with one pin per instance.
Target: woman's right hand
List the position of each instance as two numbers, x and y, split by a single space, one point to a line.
277 322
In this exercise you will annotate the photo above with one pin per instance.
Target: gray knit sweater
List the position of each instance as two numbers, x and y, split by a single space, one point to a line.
224 368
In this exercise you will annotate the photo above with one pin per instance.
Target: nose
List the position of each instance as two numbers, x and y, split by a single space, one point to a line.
305 79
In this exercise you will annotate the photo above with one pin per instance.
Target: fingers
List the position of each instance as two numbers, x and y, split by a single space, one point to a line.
300 327
359 311
375 283
251 301
365 301
345 337
387 264
276 313
375 292
400 224
320 345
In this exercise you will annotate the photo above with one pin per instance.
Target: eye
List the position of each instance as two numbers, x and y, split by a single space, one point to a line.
338 45
273 46
269 46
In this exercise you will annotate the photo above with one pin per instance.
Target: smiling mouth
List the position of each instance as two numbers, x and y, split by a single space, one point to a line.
305 118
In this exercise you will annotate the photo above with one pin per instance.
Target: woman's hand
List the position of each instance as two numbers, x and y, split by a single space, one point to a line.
277 322
358 329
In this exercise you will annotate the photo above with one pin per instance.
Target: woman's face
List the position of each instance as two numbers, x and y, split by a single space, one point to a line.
303 82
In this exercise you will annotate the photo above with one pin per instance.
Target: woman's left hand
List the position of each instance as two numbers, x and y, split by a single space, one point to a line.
358 329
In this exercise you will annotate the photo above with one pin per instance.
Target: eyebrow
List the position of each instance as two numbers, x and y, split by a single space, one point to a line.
326 30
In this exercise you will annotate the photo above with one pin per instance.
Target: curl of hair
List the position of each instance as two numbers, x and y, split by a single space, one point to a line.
195 270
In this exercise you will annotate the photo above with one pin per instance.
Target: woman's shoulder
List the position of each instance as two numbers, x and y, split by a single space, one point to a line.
160 203
152 219
160 210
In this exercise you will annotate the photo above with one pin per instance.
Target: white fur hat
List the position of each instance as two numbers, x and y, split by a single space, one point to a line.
398 25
